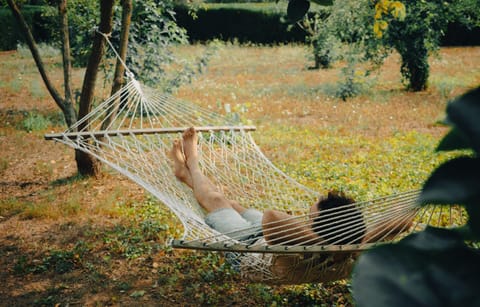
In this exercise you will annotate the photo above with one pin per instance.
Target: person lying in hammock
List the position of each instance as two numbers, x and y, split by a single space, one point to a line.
277 227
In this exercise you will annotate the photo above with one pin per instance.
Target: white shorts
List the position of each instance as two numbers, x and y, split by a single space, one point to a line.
242 227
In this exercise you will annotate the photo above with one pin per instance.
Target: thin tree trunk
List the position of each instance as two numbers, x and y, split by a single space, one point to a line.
118 79
87 164
67 63
65 106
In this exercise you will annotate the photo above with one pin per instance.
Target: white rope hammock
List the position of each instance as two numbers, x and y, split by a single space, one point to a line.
133 131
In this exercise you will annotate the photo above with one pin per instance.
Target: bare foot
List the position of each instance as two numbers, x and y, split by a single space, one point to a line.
190 139
181 171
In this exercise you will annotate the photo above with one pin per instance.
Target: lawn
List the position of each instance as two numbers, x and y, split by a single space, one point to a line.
101 241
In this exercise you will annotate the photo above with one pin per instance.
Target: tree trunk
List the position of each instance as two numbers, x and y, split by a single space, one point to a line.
66 106
88 165
118 79
67 63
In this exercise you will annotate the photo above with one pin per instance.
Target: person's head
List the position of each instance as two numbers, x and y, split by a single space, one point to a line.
337 220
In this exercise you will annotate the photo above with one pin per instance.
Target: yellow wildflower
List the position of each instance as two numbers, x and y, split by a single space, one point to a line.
397 9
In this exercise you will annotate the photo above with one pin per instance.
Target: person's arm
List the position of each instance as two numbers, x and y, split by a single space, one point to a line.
280 228
387 231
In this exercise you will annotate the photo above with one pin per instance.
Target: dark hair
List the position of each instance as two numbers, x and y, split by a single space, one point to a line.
340 225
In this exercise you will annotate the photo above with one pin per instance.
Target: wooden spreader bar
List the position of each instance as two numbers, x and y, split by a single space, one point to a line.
275 249
103 133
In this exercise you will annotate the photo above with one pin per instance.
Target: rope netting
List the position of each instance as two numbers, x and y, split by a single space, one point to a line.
133 131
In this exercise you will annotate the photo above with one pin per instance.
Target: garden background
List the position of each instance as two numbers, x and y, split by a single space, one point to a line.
67 239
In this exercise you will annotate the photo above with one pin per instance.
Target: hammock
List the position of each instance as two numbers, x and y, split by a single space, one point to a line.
133 131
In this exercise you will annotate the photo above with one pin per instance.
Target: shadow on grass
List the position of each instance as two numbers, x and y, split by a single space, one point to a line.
68 180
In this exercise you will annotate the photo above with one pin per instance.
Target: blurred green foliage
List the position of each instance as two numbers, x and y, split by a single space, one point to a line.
435 267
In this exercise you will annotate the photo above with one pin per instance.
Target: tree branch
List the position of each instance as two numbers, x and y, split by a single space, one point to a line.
36 54
70 114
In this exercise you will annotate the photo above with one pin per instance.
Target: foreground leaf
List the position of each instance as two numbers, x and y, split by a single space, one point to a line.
419 271
455 182
454 140
464 113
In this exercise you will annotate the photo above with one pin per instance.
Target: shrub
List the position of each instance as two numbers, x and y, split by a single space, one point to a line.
34 121
421 31
245 22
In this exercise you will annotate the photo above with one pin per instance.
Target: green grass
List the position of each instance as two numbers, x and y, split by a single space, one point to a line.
3 165
16 85
37 89
11 206
358 165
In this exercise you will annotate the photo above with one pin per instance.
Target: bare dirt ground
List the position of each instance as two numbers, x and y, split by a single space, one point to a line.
48 211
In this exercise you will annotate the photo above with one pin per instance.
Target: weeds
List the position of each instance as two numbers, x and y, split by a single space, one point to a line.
145 234
34 122
56 261
130 241
3 165
353 82
47 209
11 206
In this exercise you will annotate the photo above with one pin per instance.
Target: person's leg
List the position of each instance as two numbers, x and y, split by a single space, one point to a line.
224 215
181 171
204 190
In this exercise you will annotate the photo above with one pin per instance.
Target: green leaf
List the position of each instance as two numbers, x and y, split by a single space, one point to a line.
464 113
431 268
297 9
454 140
455 182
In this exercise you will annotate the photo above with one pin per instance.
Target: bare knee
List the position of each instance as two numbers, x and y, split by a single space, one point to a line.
214 201
236 205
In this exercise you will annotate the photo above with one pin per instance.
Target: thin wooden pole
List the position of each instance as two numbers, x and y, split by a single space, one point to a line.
103 133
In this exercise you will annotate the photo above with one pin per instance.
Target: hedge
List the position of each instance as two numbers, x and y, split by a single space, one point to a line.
458 34
263 23
10 32
254 22
246 22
